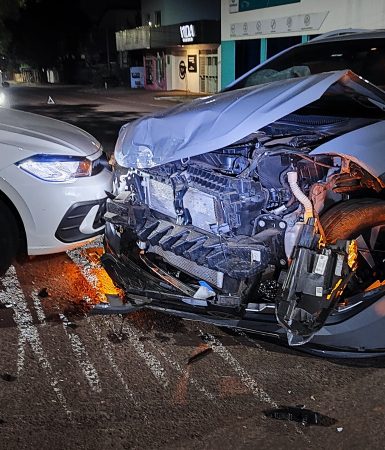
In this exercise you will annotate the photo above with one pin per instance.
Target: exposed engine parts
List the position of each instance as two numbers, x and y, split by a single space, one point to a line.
241 218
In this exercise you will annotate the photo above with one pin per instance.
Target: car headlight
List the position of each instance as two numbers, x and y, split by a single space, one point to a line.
57 168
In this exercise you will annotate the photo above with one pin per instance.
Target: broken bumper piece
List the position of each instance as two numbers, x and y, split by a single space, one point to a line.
317 277
345 334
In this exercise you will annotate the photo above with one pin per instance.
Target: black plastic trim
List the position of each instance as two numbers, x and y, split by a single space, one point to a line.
68 229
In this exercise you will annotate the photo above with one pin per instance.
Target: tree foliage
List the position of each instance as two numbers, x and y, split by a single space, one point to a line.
47 30
9 10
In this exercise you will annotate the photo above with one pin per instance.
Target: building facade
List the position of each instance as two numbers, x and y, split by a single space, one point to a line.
177 45
254 30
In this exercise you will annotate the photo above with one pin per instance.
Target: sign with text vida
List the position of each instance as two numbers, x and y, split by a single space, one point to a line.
187 33
248 5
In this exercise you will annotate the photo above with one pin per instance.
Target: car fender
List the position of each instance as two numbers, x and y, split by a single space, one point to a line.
17 201
364 146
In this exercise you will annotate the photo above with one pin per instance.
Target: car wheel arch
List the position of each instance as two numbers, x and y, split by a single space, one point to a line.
22 249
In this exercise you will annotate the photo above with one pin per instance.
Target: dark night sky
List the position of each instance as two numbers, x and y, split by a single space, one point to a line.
47 29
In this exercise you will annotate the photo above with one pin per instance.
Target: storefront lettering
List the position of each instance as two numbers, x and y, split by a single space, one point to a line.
187 33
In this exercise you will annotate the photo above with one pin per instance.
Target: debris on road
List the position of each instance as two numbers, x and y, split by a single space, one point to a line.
301 415
201 354
67 322
340 429
8 377
5 305
43 293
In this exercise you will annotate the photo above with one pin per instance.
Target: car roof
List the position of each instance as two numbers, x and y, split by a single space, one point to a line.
347 35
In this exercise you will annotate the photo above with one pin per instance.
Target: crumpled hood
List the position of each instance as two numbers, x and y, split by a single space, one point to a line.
18 126
214 122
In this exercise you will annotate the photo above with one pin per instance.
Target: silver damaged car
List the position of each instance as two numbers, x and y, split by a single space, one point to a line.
261 208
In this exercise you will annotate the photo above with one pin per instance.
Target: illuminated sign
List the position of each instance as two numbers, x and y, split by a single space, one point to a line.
187 33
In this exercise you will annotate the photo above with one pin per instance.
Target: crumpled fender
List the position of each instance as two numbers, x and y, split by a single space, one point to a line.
364 146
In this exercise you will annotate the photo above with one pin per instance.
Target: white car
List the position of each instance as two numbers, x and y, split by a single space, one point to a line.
53 183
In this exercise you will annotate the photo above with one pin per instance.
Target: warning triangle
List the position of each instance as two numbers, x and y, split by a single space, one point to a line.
50 101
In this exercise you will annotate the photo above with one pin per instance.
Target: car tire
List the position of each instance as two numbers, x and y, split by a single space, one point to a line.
348 219
9 237
364 220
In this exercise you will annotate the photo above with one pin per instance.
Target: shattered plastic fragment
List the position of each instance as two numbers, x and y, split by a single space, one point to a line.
8 377
43 293
200 355
302 415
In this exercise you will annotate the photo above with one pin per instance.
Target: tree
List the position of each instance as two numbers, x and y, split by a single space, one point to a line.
9 9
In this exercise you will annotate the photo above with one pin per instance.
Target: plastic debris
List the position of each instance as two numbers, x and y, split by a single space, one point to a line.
339 429
200 355
43 293
205 291
8 377
206 338
301 415
67 322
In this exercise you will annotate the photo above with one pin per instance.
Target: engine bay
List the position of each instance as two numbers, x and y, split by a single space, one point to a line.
243 222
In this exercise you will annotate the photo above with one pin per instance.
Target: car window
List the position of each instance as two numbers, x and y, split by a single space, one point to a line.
365 57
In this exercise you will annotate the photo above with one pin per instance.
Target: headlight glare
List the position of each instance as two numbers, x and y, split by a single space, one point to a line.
57 168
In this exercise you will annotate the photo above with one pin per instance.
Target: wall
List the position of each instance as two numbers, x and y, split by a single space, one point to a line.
341 14
191 81
178 11
296 19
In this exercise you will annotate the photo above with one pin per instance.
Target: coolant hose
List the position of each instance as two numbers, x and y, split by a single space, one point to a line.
292 178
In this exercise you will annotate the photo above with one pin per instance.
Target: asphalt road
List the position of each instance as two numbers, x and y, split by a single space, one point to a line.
73 380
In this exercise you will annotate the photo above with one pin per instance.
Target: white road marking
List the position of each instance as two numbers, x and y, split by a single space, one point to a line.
150 360
79 257
183 371
107 352
83 359
246 378
28 332
38 307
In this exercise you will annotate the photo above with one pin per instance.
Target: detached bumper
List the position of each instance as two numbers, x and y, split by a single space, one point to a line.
354 333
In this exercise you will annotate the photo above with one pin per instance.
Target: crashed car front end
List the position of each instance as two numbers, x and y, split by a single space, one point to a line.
218 210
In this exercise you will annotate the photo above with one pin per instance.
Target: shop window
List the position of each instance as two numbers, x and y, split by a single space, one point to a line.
276 45
208 71
247 55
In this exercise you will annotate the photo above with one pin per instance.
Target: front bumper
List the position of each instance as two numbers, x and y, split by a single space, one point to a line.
358 332
46 209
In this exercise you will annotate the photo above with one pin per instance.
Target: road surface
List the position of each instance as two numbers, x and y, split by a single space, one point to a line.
72 380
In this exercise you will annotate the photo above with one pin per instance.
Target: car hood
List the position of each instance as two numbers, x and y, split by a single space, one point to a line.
220 120
20 128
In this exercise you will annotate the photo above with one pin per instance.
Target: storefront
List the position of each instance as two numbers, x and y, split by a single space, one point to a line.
254 30
177 57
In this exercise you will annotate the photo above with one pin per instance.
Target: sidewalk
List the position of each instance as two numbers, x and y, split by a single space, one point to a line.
118 92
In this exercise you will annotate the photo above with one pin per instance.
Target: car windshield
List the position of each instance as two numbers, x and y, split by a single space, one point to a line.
365 57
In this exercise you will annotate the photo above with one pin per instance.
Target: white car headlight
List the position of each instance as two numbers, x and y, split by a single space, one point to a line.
57 168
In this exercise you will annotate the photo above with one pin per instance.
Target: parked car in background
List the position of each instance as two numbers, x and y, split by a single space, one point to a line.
263 207
53 178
